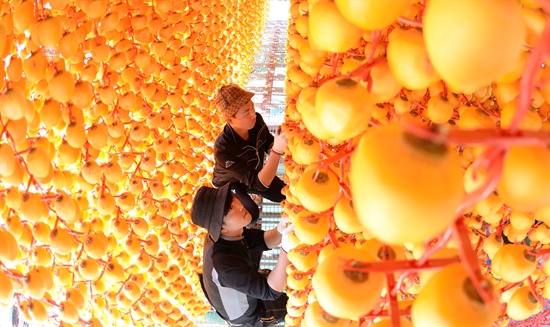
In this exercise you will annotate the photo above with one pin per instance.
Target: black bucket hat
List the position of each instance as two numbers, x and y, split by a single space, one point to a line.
208 205
207 209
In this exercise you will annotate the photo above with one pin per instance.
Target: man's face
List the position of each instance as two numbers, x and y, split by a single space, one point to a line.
237 217
245 118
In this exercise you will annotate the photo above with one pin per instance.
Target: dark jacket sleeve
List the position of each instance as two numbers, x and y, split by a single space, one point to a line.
255 238
234 168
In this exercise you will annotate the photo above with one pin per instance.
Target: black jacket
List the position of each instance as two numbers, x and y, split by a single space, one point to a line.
238 160
233 284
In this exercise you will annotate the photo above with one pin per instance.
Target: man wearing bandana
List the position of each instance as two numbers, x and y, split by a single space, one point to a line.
241 148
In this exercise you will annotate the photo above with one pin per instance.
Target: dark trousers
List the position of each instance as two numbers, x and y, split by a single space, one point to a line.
272 313
273 193
275 311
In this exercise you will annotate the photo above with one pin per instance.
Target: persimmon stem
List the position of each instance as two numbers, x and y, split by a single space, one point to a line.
410 22
13 274
393 307
469 259
333 238
482 192
533 288
366 67
400 285
442 242
339 156
334 63
51 302
541 253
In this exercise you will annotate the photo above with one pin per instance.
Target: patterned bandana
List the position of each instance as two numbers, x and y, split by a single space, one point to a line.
230 99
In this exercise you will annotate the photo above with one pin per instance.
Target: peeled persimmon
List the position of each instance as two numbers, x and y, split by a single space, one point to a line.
409 61
7 160
6 288
95 245
61 86
471 53
83 94
521 220
440 109
65 207
50 31
308 189
378 250
523 304
13 103
67 154
342 291
33 209
41 256
310 228
513 262
311 121
474 118
384 84
96 8
344 107
530 121
492 244
68 45
89 269
38 163
306 151
23 16
316 316
10 247
68 312
75 134
297 281
431 306
34 284
98 136
345 216
386 170
329 31
525 181
17 177
14 69
372 14
311 60
303 257
106 204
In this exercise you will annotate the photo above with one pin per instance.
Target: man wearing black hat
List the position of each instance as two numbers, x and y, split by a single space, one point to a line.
232 283
240 148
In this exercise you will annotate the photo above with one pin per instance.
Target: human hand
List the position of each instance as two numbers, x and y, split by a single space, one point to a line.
284 228
280 142
286 245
